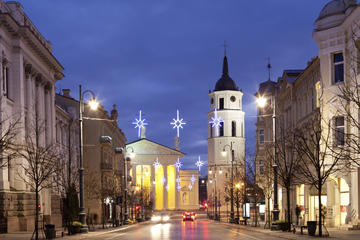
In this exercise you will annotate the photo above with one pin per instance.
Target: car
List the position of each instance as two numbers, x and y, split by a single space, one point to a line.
189 216
162 217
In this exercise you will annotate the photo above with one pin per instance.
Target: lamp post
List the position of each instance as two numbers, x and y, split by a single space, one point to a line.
261 102
237 200
93 105
215 192
232 220
131 155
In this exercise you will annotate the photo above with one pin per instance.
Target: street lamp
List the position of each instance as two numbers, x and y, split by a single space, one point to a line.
224 153
132 155
238 186
262 102
93 105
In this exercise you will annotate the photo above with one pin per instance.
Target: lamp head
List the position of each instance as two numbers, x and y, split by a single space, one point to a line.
93 104
132 155
261 102
223 153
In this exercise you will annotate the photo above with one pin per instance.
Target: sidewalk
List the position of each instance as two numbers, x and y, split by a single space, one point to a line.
97 231
333 232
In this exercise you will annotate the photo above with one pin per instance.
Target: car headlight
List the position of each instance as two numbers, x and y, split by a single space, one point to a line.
165 218
155 218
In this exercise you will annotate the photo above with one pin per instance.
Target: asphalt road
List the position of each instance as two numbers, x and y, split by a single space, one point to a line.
176 229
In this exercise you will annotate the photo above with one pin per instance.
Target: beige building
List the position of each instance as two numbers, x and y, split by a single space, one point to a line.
103 159
153 169
317 88
28 75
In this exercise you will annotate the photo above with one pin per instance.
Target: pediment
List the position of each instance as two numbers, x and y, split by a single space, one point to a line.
148 147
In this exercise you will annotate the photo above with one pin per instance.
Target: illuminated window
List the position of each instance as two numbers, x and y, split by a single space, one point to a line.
261 137
317 89
338 59
339 134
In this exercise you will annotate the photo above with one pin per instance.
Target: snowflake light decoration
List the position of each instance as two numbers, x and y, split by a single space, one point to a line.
178 165
178 187
190 187
139 123
193 179
164 180
157 164
199 163
178 179
216 121
178 123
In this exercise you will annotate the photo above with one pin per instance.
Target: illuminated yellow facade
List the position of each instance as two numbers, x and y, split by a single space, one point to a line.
165 192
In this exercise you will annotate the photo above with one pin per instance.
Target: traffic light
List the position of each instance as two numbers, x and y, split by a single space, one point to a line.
206 205
137 207
39 206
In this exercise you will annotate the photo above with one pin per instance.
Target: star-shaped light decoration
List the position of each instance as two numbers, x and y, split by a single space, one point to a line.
199 163
178 123
164 180
157 164
178 179
167 187
193 179
216 121
178 187
139 123
178 165
190 187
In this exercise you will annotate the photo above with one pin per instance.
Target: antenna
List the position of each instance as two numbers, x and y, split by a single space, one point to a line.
269 67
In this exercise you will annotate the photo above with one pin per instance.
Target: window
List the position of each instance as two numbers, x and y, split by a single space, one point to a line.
221 103
317 89
338 67
5 80
261 167
233 98
222 129
233 129
211 131
339 131
261 137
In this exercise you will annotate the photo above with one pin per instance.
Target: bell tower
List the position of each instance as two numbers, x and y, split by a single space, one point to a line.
226 133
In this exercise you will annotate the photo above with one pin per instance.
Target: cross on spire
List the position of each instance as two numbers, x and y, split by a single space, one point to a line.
269 67
225 46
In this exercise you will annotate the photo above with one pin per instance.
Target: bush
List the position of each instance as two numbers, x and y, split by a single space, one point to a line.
76 224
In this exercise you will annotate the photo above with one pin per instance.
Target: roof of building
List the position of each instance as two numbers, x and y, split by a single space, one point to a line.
225 82
334 13
335 7
145 139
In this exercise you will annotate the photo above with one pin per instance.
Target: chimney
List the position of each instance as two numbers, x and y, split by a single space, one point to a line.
66 93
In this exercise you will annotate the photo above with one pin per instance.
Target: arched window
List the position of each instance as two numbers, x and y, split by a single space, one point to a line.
233 128
221 129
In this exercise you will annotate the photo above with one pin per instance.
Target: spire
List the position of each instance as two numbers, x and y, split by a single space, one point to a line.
269 67
225 67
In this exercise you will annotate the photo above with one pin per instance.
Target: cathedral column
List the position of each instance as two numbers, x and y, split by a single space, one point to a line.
165 193
177 192
153 186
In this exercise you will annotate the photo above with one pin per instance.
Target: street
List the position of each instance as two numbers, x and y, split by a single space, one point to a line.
176 229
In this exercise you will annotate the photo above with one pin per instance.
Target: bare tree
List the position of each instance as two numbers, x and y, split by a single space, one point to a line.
315 148
92 191
9 130
287 164
37 163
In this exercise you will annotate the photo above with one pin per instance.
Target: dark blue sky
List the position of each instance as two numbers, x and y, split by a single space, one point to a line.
161 55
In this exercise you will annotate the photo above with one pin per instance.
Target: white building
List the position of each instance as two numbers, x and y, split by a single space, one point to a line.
225 103
28 75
